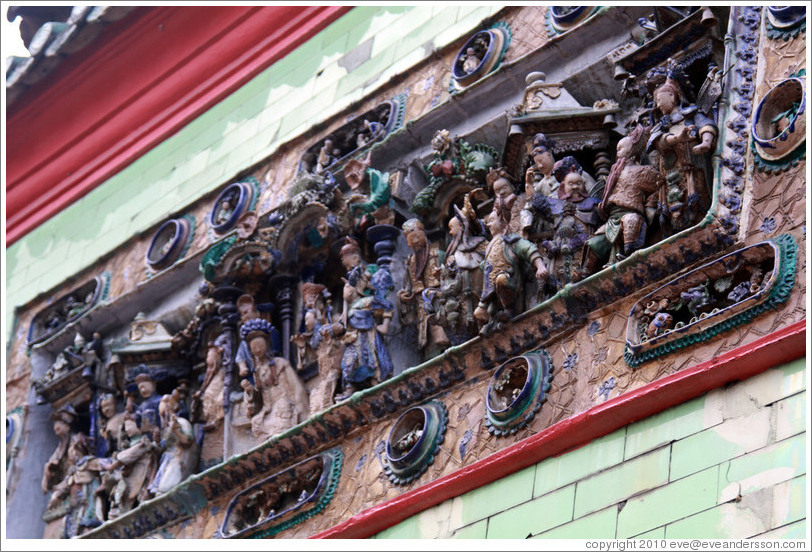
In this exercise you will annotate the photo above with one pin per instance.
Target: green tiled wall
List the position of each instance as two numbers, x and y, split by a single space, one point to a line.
302 89
729 464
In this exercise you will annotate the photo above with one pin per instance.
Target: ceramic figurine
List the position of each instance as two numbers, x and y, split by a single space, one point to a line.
210 394
504 195
422 275
147 413
316 312
661 322
276 400
180 449
629 204
365 320
369 132
78 487
56 467
125 477
682 136
461 276
471 61
504 259
327 156
575 217
110 426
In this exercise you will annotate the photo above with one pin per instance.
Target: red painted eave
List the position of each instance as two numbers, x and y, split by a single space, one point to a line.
739 364
139 82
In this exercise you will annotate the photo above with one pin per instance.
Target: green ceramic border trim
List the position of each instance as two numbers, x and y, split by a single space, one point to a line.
214 255
775 33
779 293
336 461
780 165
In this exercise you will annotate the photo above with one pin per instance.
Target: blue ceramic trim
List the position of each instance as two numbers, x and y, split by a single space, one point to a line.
180 242
248 194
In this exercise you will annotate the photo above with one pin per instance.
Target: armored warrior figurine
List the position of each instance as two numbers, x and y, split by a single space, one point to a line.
629 202
125 478
575 217
502 273
682 137
461 275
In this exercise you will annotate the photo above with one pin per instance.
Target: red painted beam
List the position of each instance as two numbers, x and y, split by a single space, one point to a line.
771 350
147 77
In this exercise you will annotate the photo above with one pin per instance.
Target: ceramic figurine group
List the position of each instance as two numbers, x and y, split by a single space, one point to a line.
131 454
480 252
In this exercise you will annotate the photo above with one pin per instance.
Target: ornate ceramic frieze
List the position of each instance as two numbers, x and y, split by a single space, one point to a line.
170 242
779 125
66 310
480 55
413 441
515 271
687 34
516 392
713 298
286 498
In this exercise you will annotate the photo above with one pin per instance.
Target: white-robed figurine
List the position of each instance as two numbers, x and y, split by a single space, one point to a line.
276 400
180 455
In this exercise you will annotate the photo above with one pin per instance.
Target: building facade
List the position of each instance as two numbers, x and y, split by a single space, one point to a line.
407 272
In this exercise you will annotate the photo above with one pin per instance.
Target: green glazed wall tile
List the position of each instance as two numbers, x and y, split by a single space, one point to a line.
622 481
533 517
670 502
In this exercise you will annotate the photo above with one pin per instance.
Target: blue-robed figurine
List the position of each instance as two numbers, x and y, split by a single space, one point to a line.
366 319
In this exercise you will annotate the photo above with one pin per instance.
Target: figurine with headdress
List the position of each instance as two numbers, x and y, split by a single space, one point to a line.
276 400
504 194
57 465
683 134
629 205
366 318
506 257
421 280
461 272
575 217
535 218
